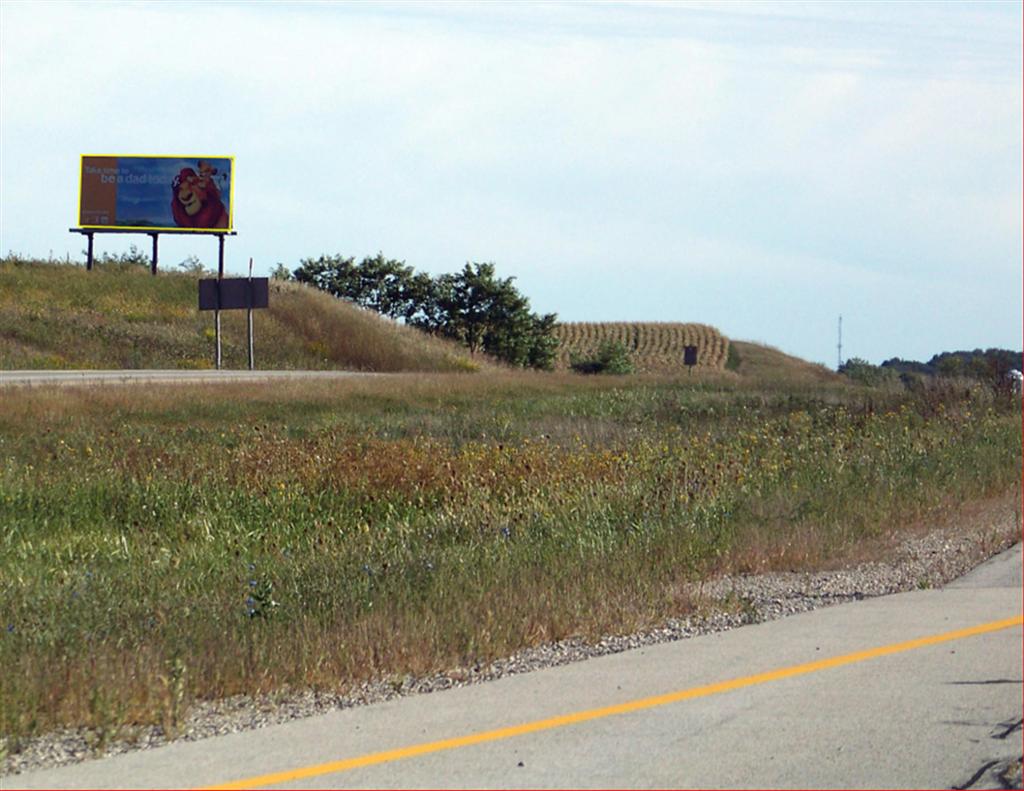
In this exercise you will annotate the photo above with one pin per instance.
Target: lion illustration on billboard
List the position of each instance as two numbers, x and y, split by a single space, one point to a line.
196 200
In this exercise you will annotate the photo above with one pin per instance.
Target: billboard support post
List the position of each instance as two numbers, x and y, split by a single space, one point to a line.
88 257
89 232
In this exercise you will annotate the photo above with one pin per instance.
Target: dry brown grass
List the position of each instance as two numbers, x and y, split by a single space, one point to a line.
117 316
785 547
768 364
343 335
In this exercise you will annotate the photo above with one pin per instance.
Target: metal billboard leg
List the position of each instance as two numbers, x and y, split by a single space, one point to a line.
152 267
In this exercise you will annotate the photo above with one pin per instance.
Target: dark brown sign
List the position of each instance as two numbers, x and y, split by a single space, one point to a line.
234 293
689 355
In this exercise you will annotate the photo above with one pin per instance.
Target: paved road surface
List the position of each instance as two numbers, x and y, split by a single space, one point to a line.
808 701
38 378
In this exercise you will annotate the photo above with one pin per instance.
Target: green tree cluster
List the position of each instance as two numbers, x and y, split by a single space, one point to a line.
991 365
977 364
865 373
474 306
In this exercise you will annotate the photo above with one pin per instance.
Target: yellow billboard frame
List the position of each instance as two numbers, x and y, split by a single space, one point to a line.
155 228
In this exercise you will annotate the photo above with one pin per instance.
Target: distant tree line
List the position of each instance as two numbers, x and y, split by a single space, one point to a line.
978 364
474 306
988 364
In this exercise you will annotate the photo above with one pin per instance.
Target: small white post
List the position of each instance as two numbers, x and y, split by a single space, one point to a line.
252 360
216 329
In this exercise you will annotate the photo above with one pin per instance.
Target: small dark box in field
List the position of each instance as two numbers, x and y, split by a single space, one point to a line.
689 355
234 293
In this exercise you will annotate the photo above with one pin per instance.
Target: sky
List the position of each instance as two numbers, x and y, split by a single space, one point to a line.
761 167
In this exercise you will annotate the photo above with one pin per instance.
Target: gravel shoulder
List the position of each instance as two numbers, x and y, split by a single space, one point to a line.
926 558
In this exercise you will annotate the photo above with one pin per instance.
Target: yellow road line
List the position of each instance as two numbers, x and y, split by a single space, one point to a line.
610 711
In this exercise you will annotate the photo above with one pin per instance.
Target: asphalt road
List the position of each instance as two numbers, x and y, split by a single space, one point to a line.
51 378
915 690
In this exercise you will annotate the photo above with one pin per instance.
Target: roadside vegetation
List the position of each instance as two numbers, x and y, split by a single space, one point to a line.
164 545
55 315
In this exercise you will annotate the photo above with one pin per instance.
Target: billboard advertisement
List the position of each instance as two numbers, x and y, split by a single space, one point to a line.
156 193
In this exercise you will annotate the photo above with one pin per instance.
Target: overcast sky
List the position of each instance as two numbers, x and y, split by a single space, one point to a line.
762 167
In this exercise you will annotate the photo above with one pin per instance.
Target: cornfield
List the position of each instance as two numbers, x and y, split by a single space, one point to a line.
654 347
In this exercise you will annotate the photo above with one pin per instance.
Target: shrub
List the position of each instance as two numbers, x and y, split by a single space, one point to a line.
611 358
732 362
863 372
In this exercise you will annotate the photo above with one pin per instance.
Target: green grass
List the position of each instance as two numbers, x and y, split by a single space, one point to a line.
120 316
164 545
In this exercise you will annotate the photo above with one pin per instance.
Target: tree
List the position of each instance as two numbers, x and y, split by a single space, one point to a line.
867 374
949 365
482 310
474 306
332 274
193 266
487 313
430 299
544 344
382 284
378 283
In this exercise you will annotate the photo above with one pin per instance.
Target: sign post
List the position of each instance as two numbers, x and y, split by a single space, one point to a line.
234 293
690 357
216 331
248 317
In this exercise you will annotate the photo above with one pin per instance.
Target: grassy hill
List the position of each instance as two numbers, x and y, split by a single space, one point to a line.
120 316
653 347
56 315
765 363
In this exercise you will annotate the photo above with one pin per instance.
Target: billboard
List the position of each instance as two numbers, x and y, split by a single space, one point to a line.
156 193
